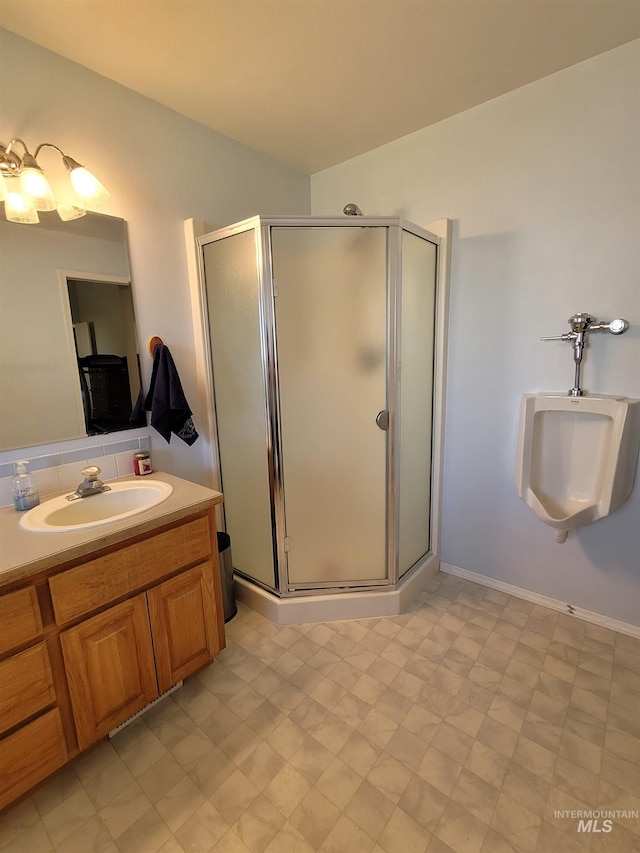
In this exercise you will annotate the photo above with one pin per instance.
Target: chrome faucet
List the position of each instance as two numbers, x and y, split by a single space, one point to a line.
91 485
581 325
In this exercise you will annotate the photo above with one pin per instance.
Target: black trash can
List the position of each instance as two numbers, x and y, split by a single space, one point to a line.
226 576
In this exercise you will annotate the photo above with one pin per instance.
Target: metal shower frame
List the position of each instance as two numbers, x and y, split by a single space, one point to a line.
261 226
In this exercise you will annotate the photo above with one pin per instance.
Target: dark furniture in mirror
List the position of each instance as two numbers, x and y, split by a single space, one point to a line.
106 392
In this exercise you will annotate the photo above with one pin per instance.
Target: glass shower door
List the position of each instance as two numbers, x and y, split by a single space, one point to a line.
331 337
235 327
416 356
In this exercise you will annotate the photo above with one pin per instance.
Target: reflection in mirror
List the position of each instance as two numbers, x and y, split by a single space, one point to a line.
69 364
105 343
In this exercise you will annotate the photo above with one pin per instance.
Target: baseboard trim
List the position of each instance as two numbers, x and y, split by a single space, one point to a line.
543 600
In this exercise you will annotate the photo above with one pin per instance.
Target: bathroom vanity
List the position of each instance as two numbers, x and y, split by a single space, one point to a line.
96 624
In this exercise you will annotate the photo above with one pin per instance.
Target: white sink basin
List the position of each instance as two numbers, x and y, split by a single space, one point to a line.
125 498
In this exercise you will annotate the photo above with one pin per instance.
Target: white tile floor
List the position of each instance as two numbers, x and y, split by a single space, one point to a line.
463 725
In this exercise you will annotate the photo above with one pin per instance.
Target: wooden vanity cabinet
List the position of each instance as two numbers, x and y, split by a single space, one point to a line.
86 645
32 741
126 655
122 659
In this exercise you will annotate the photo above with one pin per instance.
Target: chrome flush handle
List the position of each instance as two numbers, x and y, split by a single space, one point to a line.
581 325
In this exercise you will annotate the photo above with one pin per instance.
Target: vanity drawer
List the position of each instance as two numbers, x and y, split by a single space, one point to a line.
30 755
26 686
20 619
90 586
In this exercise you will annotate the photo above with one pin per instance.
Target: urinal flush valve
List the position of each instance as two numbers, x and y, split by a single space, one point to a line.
581 325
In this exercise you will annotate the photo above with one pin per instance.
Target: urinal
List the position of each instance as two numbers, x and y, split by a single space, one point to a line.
577 457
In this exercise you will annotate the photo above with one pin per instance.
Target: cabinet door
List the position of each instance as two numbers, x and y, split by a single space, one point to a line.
184 624
110 669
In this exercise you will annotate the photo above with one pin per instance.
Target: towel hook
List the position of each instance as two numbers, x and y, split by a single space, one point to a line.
152 343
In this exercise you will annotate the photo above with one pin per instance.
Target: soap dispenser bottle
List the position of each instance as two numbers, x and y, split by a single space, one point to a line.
23 488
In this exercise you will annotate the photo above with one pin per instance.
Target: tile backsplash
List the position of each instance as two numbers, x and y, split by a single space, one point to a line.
56 467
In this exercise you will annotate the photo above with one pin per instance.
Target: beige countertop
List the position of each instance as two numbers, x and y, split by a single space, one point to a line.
23 553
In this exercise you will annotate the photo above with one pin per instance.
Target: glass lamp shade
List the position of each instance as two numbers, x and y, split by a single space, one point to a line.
66 212
3 187
18 208
88 187
68 204
34 186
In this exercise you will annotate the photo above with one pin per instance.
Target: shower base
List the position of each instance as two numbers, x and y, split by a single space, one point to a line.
338 606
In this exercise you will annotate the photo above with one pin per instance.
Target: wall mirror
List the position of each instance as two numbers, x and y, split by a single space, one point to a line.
69 357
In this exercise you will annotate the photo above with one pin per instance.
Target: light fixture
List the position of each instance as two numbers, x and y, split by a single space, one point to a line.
26 190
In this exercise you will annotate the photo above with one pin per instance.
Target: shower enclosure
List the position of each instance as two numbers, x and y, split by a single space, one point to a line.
323 364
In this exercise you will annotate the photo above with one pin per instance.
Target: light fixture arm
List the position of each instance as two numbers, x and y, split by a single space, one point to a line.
10 163
69 162
48 145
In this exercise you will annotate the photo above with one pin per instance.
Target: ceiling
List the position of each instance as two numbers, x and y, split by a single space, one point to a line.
315 82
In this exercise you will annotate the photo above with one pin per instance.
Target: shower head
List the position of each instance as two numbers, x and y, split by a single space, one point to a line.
351 210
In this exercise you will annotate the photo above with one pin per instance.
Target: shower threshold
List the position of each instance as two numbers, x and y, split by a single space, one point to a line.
338 605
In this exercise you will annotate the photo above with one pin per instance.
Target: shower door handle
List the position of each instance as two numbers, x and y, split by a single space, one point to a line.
382 420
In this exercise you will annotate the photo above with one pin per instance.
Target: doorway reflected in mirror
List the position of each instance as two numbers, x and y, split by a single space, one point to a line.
105 341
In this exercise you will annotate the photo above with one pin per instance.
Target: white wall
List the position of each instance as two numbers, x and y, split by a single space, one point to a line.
543 185
161 169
